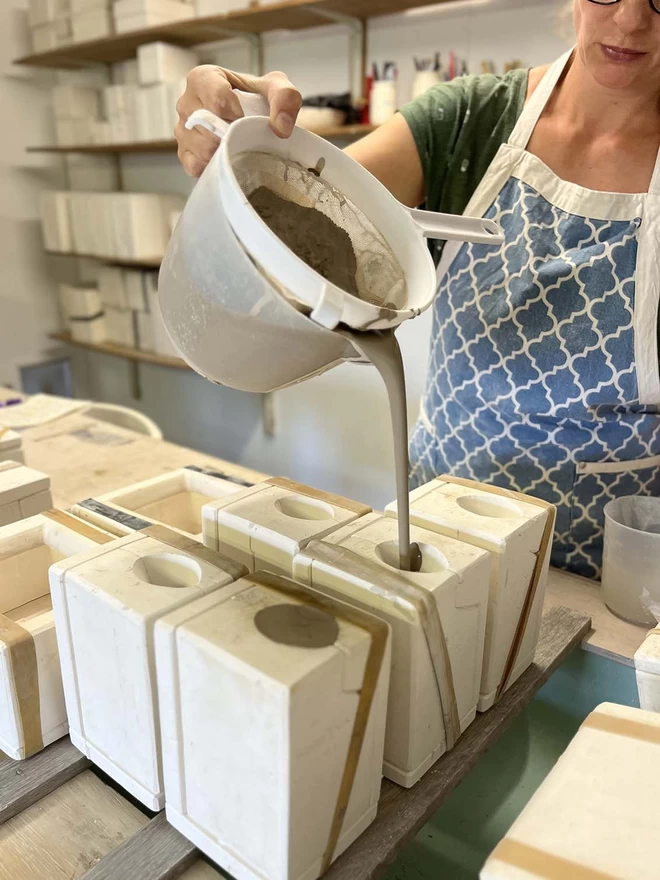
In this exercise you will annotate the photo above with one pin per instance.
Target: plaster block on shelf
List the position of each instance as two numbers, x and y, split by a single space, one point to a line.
75 102
270 676
647 670
106 603
141 224
119 327
135 290
266 525
163 62
91 330
93 24
595 814
32 710
56 226
132 15
112 287
44 37
438 621
174 499
79 302
11 446
517 533
217 7
125 73
145 333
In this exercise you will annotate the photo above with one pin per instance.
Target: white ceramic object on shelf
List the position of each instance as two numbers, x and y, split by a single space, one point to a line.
423 81
267 525
11 446
120 327
106 603
273 706
90 330
112 287
174 499
517 533
164 62
647 670
32 711
55 213
76 102
438 620
94 24
23 492
595 815
382 101
134 15
79 302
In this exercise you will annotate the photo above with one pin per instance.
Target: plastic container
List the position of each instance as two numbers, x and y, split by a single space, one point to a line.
382 101
631 559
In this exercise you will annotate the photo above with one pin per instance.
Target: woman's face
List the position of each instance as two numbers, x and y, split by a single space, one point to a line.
620 44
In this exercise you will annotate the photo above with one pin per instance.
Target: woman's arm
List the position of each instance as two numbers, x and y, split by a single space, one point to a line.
389 153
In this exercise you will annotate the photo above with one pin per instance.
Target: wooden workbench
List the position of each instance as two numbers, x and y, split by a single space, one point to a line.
60 821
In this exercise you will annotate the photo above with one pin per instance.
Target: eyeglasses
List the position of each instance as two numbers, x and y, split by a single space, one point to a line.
654 4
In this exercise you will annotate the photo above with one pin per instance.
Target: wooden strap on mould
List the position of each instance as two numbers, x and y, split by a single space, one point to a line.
79 526
25 674
546 540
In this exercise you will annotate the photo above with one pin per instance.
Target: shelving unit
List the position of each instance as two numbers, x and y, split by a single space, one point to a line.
348 132
288 15
110 261
130 354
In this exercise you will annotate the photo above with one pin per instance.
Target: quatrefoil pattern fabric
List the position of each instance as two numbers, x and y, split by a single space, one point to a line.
532 381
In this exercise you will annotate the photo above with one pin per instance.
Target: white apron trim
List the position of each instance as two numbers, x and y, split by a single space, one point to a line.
618 467
513 160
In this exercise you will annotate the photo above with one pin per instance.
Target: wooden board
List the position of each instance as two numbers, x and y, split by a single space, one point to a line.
161 853
610 636
170 146
288 15
23 783
110 261
123 351
68 831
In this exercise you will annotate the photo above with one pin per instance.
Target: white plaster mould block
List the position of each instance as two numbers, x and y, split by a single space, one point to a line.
360 564
259 696
106 603
512 532
23 492
27 550
267 525
11 446
647 670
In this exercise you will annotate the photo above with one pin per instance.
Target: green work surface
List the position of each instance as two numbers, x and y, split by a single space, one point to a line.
456 842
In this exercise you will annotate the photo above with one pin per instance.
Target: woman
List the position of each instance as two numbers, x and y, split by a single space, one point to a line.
544 374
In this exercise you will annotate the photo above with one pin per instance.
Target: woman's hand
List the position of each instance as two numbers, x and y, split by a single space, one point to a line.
212 88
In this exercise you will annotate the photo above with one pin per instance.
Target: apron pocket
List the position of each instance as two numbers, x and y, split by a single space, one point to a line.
597 483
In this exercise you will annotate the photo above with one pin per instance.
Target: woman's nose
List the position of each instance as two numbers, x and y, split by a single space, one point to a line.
633 16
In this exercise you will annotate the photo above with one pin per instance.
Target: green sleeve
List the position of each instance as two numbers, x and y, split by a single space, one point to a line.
458 128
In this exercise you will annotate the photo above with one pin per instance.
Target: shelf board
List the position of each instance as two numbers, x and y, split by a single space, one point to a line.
337 131
287 15
128 264
131 354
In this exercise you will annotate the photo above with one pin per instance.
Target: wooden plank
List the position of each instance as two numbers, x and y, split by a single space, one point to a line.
158 852
110 261
170 146
288 15
122 351
70 830
403 812
610 636
23 783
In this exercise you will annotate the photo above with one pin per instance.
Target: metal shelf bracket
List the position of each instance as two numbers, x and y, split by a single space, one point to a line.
255 45
357 45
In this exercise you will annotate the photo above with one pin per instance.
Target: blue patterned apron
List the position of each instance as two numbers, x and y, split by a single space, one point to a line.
543 375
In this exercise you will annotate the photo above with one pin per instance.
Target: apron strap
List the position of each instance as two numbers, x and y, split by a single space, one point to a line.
654 188
521 134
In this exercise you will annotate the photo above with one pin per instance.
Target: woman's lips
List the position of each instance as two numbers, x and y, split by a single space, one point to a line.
621 56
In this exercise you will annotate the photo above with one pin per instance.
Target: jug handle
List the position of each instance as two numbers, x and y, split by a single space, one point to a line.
251 104
454 227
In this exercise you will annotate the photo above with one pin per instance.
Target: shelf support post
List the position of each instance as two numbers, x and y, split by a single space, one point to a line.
357 29
255 45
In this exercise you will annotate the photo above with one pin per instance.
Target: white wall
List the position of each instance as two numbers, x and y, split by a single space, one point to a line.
332 432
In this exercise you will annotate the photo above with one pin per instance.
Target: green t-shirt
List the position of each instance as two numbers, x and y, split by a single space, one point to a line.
458 127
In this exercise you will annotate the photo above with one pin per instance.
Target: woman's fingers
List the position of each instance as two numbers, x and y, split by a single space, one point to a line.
214 88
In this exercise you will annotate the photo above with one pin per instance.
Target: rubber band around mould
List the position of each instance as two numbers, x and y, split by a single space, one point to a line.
546 539
379 632
409 598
